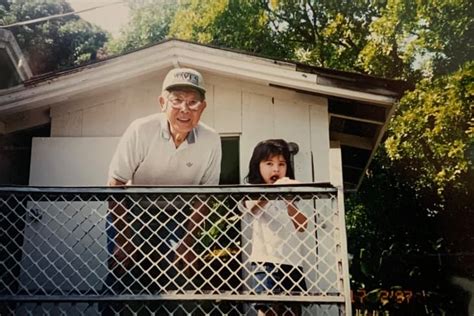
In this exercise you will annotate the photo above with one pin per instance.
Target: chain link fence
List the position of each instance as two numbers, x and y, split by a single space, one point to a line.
171 250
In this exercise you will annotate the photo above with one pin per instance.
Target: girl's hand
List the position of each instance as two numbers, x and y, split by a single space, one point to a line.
256 206
286 180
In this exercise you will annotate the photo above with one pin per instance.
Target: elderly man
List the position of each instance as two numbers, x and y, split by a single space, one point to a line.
168 148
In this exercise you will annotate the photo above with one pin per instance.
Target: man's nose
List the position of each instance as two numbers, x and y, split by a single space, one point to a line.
184 107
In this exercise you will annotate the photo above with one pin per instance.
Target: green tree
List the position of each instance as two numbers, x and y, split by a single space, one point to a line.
52 44
412 216
323 33
149 24
411 39
433 133
404 236
242 25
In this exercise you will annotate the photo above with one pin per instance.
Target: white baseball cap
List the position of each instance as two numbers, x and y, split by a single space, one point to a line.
184 77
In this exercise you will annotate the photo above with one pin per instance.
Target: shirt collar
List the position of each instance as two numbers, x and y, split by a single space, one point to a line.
165 131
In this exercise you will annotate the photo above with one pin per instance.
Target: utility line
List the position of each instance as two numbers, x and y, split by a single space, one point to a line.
46 18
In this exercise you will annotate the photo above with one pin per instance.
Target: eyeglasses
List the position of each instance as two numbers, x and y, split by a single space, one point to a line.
178 104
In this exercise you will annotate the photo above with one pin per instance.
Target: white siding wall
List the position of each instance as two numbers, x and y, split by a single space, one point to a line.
71 161
106 113
252 111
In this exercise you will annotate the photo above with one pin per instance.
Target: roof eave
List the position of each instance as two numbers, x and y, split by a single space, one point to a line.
172 54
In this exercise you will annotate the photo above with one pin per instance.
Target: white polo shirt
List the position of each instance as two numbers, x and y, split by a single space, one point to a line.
147 155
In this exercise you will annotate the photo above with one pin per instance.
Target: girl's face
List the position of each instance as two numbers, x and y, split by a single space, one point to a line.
273 168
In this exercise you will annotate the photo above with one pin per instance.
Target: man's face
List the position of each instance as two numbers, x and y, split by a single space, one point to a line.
183 109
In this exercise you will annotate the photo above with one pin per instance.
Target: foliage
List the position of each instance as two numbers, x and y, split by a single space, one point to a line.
221 231
385 229
55 43
149 24
234 24
419 38
434 132
408 236
323 33
408 224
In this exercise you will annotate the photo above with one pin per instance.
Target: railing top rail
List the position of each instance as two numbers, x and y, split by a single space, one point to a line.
174 297
323 188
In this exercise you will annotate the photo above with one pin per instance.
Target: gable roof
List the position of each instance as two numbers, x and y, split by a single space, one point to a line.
359 105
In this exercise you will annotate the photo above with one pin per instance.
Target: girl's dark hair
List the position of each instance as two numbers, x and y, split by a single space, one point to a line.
265 150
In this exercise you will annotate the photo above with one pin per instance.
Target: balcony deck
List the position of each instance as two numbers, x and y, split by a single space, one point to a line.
57 249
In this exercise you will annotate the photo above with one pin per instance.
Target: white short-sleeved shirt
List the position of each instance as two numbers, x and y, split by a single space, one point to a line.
147 155
274 236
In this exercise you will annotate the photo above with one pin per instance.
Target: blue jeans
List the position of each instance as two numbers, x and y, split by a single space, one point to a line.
282 279
277 278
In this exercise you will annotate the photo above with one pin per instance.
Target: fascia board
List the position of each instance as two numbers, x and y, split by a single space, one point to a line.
264 70
63 88
170 54
111 71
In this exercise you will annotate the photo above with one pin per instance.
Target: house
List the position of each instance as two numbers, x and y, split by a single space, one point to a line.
250 98
335 119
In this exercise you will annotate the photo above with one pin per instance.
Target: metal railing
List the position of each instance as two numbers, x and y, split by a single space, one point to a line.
169 250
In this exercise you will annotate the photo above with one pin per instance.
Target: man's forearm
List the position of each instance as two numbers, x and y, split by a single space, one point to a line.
118 212
194 225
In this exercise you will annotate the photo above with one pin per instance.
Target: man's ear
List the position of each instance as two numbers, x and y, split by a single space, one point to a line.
162 102
204 104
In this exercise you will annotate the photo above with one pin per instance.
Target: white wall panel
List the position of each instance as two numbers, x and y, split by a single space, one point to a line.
207 116
104 120
227 109
257 125
319 119
71 161
291 123
67 161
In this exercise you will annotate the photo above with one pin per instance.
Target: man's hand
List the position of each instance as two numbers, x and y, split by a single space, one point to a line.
124 249
186 258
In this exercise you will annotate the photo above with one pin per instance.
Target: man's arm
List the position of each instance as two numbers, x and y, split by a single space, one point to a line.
123 247
186 255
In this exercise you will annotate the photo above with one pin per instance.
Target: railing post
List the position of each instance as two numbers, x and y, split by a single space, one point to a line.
344 251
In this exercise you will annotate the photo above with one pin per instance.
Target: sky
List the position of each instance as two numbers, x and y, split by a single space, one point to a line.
110 18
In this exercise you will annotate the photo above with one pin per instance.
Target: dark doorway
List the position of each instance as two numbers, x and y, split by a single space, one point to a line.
230 165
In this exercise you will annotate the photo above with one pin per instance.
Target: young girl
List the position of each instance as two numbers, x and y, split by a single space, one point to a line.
274 257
